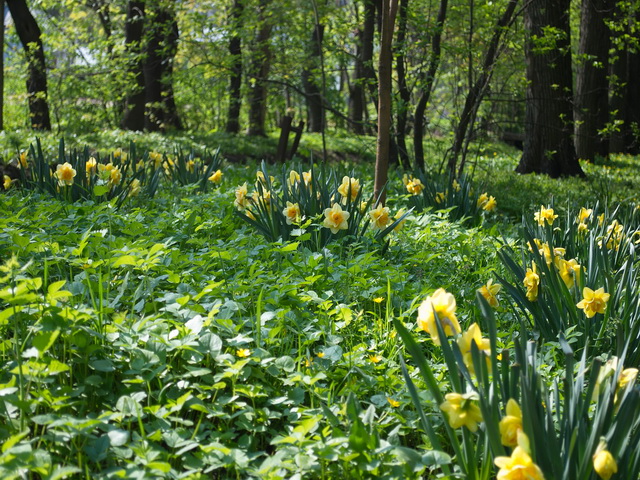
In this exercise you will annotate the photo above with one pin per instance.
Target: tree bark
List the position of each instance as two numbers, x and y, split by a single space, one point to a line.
425 92
548 146
235 80
133 118
402 106
160 48
592 82
30 37
313 95
385 66
624 80
259 73
365 75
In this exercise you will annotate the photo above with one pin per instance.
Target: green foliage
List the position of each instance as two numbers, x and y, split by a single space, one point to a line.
314 207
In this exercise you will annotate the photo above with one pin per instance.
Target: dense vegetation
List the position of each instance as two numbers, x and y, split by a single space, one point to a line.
165 337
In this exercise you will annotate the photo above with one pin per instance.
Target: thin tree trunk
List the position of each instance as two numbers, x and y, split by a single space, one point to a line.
385 66
479 88
405 96
548 146
133 118
30 37
313 95
259 73
364 72
235 80
592 83
425 93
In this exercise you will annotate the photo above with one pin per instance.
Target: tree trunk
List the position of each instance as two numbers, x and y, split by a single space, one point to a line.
133 118
364 73
161 45
548 146
405 96
479 88
259 73
592 82
425 92
235 81
624 81
29 34
385 66
312 91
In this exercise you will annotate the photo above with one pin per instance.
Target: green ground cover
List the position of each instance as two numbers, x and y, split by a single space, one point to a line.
167 338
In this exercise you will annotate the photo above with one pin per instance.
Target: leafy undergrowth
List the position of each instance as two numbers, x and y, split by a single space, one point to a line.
166 339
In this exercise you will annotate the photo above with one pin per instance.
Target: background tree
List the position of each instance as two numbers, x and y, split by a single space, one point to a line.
385 66
548 146
30 36
260 64
160 48
592 81
133 118
235 77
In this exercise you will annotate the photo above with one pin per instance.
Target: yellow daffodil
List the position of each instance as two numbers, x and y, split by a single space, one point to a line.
455 185
462 410
397 216
490 205
607 370
614 235
6 182
627 376
511 424
584 214
593 301
349 189
263 198
380 217
601 219
443 305
532 282
440 197
115 176
241 200
22 159
569 271
65 174
336 219
545 215
216 177
414 186
519 466
603 462
134 188
140 165
490 292
191 166
156 158
90 166
306 176
473 335
294 177
243 352
582 228
482 200
292 213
